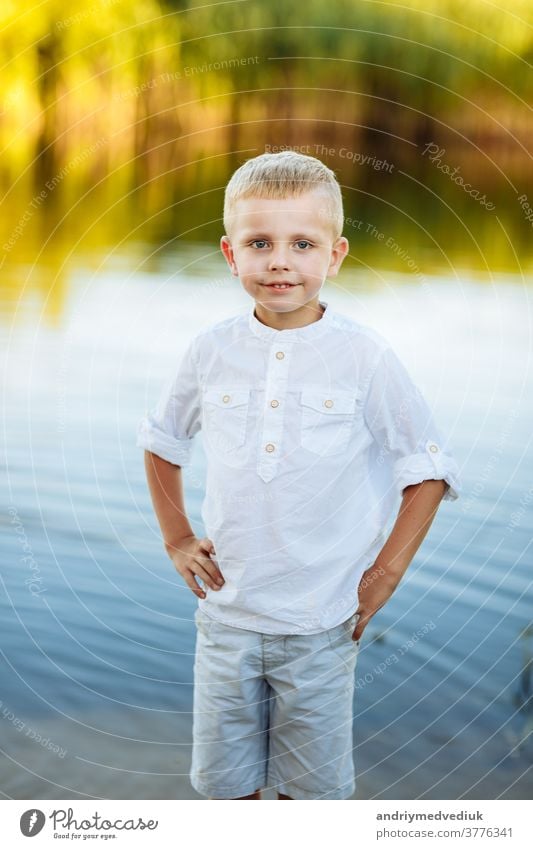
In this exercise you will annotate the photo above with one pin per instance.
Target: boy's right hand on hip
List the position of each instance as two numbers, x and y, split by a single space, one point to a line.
191 557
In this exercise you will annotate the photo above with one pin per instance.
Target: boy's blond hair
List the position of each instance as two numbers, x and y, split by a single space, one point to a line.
283 175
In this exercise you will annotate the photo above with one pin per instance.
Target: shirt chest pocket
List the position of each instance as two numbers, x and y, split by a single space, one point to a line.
226 417
329 420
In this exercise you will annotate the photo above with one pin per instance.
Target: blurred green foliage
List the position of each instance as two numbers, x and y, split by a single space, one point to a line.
148 103
71 73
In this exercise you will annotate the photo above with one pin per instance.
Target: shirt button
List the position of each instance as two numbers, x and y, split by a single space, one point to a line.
226 398
328 403
280 355
269 447
434 448
274 403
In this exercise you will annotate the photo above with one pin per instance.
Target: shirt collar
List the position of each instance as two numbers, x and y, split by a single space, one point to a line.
308 331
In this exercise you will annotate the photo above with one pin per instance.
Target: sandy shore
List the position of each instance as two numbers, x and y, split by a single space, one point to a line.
85 763
148 757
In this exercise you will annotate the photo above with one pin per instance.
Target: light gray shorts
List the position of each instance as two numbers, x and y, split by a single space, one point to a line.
273 711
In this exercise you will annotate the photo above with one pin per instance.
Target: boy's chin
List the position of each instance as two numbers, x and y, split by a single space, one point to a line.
274 305
284 303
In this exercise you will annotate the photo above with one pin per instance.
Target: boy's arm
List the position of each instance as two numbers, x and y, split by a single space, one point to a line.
166 434
419 505
166 488
189 554
421 470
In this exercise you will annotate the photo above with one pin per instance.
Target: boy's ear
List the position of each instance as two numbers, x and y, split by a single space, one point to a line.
227 250
338 251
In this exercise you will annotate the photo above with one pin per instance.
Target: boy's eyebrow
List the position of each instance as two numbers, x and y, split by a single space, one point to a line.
261 234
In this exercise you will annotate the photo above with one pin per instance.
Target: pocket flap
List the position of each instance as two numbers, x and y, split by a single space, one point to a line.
332 403
227 396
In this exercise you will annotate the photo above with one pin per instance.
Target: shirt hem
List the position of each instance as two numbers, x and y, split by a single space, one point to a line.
297 633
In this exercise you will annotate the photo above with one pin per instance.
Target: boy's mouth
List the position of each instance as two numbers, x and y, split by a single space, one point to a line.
282 284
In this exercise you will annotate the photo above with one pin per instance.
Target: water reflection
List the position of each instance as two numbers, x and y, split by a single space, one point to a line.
395 226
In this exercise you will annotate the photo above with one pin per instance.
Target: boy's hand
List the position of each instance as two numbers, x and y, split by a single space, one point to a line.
375 589
191 557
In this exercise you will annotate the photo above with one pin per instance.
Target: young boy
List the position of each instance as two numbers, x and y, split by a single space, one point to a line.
312 429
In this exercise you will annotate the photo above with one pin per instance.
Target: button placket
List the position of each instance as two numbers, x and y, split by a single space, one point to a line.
273 410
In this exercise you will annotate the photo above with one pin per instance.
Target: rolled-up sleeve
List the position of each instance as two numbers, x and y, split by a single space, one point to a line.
169 428
403 427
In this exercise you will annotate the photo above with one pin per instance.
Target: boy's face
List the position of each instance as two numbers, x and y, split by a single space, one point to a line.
286 241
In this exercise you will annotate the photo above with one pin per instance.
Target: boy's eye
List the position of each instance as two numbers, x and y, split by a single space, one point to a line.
262 242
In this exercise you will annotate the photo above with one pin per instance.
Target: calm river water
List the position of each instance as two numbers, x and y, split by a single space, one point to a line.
97 628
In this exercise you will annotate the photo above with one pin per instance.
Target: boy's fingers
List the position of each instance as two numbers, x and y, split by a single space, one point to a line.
207 564
189 579
208 573
207 545
211 568
360 626
358 633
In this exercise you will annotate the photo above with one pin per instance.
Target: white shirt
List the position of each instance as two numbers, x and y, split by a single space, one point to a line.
310 434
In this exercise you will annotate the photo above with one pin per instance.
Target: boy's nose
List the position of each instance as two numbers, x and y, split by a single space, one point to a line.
279 259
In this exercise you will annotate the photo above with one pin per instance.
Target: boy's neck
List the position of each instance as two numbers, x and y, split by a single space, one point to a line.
300 317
